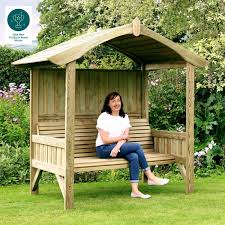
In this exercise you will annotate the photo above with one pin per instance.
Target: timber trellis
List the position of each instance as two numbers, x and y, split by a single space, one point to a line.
66 101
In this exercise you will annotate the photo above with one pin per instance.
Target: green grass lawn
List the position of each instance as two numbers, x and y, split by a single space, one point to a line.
109 203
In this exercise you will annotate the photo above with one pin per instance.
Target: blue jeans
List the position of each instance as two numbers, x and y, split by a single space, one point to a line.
130 151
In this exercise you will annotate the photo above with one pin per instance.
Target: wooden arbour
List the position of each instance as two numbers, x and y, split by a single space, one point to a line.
66 101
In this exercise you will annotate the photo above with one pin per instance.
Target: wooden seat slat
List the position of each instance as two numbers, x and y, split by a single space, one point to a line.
90 161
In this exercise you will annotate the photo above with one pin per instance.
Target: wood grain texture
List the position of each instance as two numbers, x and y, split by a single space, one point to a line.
69 133
190 81
34 76
100 82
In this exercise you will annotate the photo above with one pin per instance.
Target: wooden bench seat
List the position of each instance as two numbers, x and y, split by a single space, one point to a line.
94 163
85 158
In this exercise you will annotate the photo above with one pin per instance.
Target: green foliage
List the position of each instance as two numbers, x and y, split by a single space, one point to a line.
62 19
14 116
210 116
103 57
14 164
200 26
113 175
167 100
10 73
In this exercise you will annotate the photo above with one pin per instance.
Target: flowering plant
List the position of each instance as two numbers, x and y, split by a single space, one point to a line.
13 92
202 157
14 117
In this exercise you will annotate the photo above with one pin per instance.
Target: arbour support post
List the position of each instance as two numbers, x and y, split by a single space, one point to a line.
35 173
69 134
190 128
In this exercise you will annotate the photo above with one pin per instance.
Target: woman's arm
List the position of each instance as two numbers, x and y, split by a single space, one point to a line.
116 149
126 132
109 140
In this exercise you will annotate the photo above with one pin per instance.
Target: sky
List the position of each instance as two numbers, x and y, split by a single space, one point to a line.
35 15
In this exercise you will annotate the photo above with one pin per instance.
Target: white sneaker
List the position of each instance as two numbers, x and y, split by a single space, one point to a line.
160 181
132 195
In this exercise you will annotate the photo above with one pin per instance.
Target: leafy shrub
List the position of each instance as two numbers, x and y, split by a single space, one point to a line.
14 115
14 164
10 73
210 116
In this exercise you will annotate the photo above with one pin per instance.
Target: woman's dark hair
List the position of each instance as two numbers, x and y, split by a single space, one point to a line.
106 107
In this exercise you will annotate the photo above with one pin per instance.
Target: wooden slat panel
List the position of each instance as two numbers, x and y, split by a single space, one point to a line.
86 133
101 82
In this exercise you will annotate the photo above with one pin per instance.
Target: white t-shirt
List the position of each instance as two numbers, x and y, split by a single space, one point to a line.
114 125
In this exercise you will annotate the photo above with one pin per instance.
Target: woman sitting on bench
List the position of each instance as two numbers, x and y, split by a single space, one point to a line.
112 141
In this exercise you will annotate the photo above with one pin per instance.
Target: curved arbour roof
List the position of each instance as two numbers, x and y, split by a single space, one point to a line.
135 40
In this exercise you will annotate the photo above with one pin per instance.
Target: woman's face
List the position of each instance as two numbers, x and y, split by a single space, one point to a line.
115 104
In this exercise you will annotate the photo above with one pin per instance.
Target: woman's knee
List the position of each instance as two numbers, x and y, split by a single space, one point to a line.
136 145
133 157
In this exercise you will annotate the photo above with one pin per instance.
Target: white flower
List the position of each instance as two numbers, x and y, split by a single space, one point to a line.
156 166
22 86
153 83
196 153
12 85
210 146
202 152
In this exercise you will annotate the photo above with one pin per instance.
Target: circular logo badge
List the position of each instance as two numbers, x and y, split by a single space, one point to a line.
18 19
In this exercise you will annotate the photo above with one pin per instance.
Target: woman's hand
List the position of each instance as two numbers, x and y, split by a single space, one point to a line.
125 137
114 151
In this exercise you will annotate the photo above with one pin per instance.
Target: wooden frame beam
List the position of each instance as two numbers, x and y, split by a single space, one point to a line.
182 171
158 66
69 133
34 183
190 80
61 182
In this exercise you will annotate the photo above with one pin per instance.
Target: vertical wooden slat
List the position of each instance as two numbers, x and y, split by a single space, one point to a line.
144 91
33 122
156 144
190 128
40 94
63 158
180 147
130 93
183 148
165 145
49 154
58 157
61 96
41 152
69 133
54 155
169 145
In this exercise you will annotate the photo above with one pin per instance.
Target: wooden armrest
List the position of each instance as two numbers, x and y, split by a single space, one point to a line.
51 141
